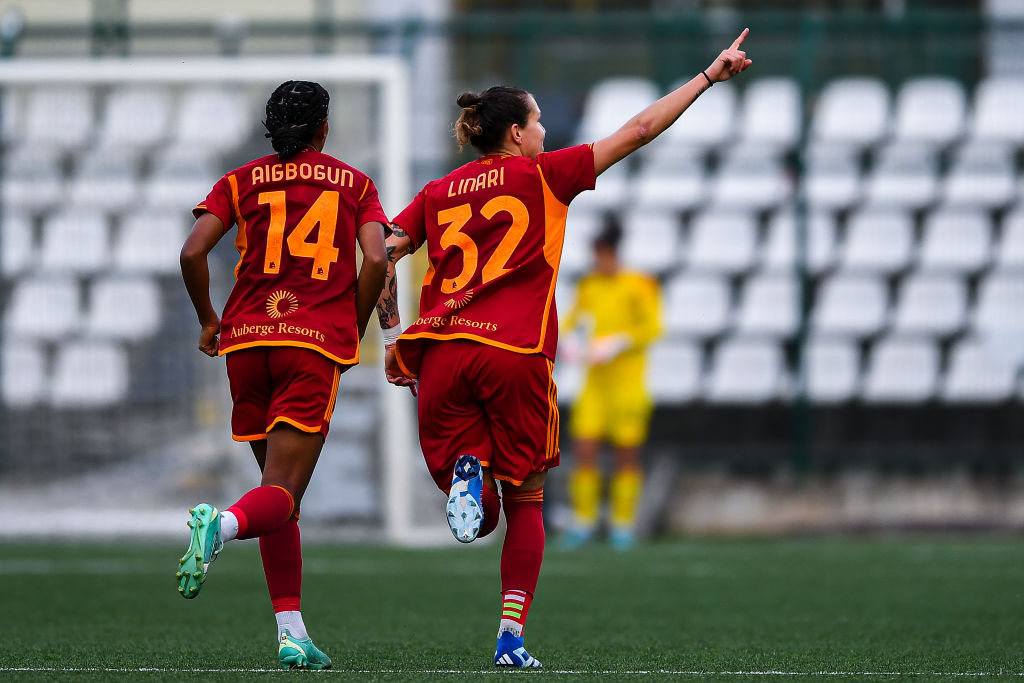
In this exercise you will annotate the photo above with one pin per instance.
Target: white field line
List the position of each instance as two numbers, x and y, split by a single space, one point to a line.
496 670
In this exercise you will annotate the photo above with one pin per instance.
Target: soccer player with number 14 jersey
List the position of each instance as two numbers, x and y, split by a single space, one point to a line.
480 353
290 328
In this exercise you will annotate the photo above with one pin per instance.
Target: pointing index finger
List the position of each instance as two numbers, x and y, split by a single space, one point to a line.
739 41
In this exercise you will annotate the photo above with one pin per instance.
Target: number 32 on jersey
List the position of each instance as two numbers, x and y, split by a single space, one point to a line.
457 217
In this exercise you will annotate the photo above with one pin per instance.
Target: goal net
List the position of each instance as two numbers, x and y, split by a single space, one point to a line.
106 403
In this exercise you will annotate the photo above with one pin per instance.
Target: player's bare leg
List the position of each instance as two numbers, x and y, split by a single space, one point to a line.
584 493
521 556
287 459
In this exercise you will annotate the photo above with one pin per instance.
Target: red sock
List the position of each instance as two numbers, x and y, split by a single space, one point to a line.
523 550
281 552
262 510
492 511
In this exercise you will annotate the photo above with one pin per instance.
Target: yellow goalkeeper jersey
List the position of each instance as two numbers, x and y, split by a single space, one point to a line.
627 303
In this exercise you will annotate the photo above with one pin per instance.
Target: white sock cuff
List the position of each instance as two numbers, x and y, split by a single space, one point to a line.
228 526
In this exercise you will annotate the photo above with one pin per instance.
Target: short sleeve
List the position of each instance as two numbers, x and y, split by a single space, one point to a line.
218 202
369 206
568 171
412 219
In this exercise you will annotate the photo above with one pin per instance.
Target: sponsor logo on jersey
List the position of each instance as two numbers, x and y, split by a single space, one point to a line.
282 303
455 303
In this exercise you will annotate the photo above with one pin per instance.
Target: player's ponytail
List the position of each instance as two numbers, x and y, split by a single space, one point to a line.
485 117
294 111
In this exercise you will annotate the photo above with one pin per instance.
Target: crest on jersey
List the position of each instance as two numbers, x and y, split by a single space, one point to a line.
282 303
457 303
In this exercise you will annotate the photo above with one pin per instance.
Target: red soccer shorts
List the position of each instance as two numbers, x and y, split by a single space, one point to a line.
495 404
275 384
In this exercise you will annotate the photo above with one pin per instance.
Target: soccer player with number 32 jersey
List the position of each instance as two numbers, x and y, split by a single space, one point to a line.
480 353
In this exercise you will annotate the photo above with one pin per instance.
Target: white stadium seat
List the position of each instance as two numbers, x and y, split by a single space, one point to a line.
710 121
568 378
780 249
768 306
650 241
674 372
850 305
577 251
136 117
901 371
1010 255
107 179
722 240
43 308
905 176
612 102
981 175
150 242
745 371
957 240
931 304
832 178
997 313
772 112
976 374
32 178
214 118
696 305
930 109
89 375
852 110
833 370
610 191
750 177
180 180
996 100
75 242
59 115
878 241
670 179
17 252
23 371
110 298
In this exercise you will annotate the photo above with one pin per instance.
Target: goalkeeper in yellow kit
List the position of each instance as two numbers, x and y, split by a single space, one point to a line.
618 313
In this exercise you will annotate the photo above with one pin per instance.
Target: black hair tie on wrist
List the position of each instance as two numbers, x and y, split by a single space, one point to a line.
705 75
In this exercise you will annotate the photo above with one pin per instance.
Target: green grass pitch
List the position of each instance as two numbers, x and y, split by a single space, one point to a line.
919 608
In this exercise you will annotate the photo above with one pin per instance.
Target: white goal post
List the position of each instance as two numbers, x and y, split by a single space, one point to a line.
397 442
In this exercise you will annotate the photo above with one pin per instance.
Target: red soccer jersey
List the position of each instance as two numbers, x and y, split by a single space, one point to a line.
494 230
296 278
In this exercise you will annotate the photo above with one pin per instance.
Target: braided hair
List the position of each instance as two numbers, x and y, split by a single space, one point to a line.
294 111
486 117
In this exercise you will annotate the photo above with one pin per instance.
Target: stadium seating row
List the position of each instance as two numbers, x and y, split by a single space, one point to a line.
857 111
83 242
880 241
85 374
125 118
48 309
746 370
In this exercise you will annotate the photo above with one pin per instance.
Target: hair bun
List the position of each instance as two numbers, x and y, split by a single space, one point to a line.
468 99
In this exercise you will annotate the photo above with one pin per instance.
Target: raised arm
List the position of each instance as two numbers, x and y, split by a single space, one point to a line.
655 119
195 271
396 245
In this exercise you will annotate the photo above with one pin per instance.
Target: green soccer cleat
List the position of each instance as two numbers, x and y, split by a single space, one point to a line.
300 654
203 549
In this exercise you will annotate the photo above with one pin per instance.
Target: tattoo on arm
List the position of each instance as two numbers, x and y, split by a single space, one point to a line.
397 231
387 305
